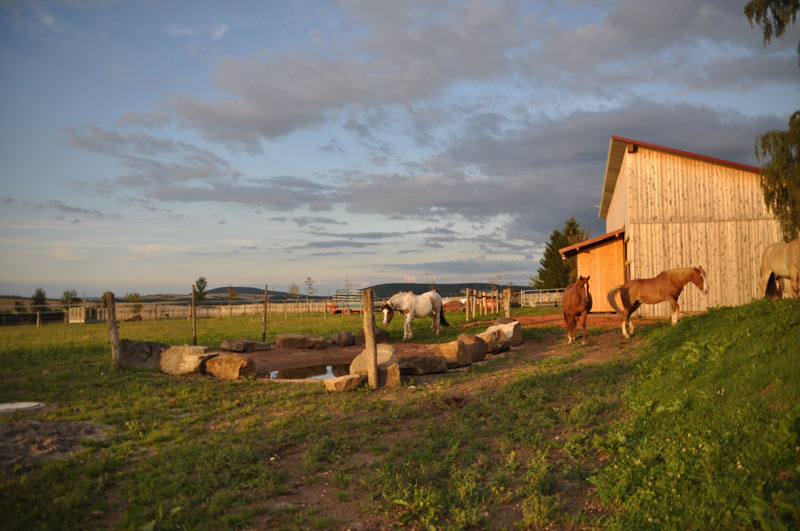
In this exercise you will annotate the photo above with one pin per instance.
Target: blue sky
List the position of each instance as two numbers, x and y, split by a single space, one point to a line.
145 144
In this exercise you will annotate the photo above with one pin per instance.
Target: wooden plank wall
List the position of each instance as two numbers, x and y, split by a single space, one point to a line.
685 212
603 263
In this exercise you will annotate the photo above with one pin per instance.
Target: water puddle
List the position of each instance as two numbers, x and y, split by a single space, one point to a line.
317 372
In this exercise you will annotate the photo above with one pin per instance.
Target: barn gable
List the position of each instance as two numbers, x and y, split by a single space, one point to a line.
681 209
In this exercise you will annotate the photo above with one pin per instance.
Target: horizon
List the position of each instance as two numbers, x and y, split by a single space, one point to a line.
145 145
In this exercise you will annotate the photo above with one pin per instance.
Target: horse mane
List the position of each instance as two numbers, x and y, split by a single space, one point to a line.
680 275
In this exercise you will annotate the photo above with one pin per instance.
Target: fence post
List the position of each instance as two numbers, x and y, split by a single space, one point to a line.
369 338
113 332
507 302
466 308
194 319
266 301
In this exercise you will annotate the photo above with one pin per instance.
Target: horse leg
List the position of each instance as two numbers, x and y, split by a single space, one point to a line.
407 334
675 309
583 324
794 274
566 324
628 322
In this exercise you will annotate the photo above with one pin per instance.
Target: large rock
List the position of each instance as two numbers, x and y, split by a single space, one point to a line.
343 338
140 354
230 366
496 341
186 359
381 336
475 346
454 354
422 364
388 367
505 320
300 341
513 331
244 345
344 383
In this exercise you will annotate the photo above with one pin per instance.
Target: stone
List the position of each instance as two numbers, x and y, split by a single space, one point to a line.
513 332
388 367
454 354
496 341
381 336
244 345
300 341
140 354
475 346
343 338
505 320
185 359
422 364
344 383
230 366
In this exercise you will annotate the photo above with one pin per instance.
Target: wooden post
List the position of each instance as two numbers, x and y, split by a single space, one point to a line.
113 332
38 318
266 301
507 302
466 308
369 337
194 319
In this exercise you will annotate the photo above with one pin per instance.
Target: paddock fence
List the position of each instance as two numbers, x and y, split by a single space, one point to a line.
534 298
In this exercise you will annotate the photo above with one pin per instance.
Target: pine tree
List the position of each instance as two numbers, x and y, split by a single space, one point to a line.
554 271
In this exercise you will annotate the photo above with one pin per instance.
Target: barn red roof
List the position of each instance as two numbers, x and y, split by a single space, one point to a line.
616 152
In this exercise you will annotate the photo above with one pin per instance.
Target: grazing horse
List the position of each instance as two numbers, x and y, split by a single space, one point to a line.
427 304
666 286
577 302
780 260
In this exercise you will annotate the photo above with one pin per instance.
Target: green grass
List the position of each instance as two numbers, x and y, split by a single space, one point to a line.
701 430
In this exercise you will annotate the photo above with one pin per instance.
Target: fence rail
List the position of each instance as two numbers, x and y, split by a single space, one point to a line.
541 297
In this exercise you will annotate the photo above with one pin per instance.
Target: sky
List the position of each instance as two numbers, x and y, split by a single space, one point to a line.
145 144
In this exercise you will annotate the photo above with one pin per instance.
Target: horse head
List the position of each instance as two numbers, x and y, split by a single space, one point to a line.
699 279
582 287
388 313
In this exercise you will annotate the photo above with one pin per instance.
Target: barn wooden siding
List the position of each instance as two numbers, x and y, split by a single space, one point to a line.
603 263
680 211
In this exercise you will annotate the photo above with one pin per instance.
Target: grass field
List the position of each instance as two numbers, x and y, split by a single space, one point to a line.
689 427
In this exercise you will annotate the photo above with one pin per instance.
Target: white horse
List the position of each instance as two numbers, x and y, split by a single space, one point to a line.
427 304
780 261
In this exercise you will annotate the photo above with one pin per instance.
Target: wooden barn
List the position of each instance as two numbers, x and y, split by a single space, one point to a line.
666 208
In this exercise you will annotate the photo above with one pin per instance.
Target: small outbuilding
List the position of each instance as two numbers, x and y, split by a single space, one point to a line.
665 208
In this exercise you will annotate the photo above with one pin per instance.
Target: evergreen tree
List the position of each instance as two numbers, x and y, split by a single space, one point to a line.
39 300
554 271
200 289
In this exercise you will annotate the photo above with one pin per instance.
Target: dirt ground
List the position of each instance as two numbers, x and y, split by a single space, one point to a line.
25 442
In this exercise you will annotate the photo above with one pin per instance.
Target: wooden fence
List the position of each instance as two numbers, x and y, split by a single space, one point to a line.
541 297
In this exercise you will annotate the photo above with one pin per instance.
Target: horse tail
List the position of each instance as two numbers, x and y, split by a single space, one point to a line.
611 300
442 320
773 291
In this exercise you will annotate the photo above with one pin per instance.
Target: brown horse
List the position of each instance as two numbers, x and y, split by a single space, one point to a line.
577 302
780 260
666 286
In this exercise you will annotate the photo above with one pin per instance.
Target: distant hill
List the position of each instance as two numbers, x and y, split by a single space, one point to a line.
383 291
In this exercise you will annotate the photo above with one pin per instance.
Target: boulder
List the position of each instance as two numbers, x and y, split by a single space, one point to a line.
513 331
496 341
300 341
422 364
140 354
381 336
230 366
475 346
344 383
244 345
454 354
388 367
505 320
186 359
343 339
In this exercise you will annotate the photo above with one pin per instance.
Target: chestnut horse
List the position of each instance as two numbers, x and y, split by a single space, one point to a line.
577 302
666 286
780 260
